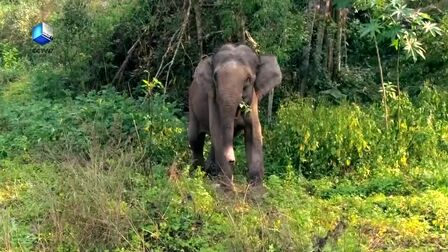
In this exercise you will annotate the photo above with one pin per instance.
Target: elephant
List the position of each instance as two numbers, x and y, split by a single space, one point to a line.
234 76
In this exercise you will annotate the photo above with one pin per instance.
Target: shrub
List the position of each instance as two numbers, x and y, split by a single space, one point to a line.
164 134
97 117
11 65
320 140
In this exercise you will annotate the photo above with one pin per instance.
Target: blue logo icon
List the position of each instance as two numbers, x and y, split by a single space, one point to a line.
42 34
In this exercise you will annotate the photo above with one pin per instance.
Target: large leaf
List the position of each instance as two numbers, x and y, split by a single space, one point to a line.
413 47
431 28
390 32
370 29
341 4
335 93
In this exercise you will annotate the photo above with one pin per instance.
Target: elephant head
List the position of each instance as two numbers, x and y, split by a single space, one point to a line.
233 76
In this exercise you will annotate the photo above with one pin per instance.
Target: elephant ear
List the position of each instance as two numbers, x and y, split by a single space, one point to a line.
203 73
269 75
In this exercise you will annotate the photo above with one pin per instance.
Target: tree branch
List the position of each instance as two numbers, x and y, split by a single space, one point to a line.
126 60
182 31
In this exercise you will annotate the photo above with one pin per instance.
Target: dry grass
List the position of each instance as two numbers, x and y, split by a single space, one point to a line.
91 202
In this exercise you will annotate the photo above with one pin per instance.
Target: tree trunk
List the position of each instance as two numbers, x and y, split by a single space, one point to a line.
312 8
386 113
197 13
243 28
330 53
339 42
320 36
329 38
344 55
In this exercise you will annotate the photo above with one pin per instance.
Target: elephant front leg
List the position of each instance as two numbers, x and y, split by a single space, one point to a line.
254 145
254 155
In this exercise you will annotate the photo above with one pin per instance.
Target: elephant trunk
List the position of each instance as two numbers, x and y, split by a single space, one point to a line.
228 111
230 80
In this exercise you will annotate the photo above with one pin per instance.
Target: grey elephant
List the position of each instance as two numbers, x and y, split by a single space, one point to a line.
234 76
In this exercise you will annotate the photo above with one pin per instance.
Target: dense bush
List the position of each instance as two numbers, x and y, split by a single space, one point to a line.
93 187
73 124
320 147
11 65
320 140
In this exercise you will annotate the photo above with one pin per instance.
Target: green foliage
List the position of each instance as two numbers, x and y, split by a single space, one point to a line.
433 69
181 215
95 188
357 85
11 65
9 56
277 28
17 18
22 189
403 26
85 167
320 141
164 135
73 124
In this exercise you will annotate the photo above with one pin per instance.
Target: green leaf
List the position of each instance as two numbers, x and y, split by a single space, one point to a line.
390 33
431 28
335 93
370 29
424 15
341 4
396 3
413 47
396 43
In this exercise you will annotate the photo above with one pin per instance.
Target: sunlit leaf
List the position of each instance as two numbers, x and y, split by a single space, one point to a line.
396 43
424 15
431 28
396 2
402 12
413 47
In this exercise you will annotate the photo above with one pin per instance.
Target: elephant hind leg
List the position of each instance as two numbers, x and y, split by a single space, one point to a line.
211 167
196 140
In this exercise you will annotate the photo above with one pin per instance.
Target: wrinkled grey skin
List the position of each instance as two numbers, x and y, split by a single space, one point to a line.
233 75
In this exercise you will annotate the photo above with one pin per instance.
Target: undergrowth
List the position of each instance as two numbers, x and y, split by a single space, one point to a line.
106 172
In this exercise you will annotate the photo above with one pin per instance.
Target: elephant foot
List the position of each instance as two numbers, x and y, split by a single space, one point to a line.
255 178
258 182
211 168
226 184
257 192
224 191
197 162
